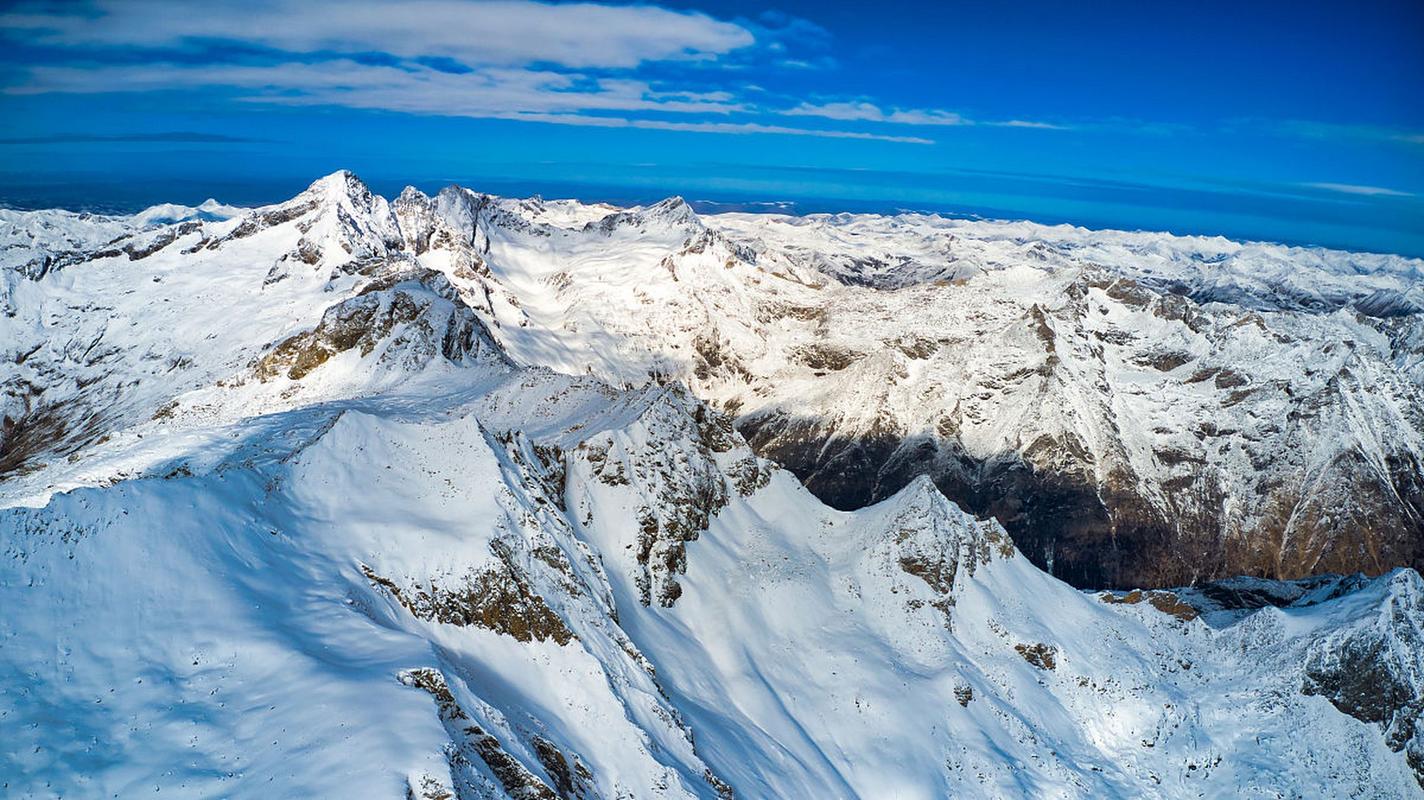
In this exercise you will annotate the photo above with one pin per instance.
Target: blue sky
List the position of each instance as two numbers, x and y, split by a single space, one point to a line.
1299 122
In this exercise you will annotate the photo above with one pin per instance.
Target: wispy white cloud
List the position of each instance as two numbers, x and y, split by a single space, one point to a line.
588 63
512 94
862 111
488 92
569 64
865 111
495 32
1026 123
715 127
1359 189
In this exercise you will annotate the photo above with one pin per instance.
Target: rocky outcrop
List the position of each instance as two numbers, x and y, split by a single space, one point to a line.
680 463
497 599
470 746
930 541
1375 671
412 316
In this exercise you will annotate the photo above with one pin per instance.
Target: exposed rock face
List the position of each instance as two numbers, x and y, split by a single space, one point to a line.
682 465
1375 672
1166 602
1246 593
1038 654
414 316
937 544
1122 530
496 599
1209 474
470 745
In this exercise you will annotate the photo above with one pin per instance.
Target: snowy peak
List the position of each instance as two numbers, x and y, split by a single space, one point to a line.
411 197
672 211
673 468
925 536
415 215
209 210
464 214
342 187
339 223
672 217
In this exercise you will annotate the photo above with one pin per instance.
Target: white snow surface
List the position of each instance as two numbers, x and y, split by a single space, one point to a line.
277 520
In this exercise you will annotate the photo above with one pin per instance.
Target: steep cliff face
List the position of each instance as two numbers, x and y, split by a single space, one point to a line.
1136 441
319 500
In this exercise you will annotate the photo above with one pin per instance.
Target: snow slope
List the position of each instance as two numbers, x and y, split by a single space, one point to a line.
320 500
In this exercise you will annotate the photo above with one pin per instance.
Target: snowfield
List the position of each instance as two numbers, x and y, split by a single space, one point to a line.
450 498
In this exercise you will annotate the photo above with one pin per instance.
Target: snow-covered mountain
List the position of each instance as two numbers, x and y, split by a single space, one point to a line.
1136 409
445 497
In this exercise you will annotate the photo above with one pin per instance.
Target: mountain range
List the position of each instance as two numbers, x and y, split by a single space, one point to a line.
473 497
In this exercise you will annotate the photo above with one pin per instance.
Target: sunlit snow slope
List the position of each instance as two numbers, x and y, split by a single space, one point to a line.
354 498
